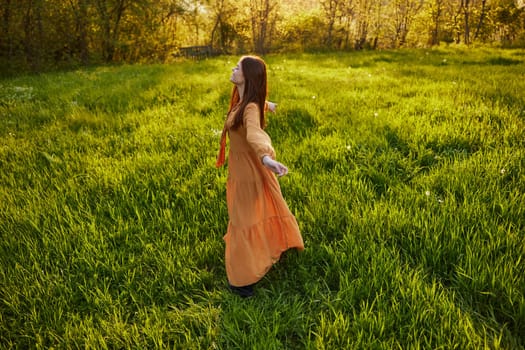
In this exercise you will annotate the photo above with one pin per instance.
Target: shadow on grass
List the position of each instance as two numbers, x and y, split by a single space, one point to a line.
297 121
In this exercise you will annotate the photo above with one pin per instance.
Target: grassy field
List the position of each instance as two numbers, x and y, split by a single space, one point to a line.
407 177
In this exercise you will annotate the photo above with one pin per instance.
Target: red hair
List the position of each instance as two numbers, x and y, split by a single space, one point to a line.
255 89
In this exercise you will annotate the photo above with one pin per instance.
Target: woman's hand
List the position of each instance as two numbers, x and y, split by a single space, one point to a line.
271 106
275 166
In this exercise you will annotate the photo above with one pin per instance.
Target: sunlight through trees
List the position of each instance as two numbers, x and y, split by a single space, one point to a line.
36 34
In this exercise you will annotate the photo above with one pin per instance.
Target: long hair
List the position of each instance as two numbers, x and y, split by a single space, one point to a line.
255 89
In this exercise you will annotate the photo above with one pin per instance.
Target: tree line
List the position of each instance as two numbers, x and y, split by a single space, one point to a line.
38 33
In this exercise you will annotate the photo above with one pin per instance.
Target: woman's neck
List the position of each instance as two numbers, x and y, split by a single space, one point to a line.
240 90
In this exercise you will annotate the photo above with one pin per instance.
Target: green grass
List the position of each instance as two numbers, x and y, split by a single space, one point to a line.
406 177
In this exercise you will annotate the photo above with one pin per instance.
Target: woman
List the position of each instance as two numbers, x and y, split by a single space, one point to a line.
261 227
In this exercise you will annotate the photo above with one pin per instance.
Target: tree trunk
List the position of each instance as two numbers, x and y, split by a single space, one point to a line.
362 34
82 31
331 22
481 18
106 30
264 27
5 37
79 46
255 35
260 17
116 27
330 7
28 34
110 26
436 17
466 14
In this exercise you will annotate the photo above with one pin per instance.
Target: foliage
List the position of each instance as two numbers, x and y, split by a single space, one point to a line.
406 176
38 35
301 33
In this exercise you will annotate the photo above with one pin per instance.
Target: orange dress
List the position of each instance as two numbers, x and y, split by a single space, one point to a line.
260 226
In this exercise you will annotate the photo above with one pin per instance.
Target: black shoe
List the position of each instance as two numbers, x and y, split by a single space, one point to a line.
243 292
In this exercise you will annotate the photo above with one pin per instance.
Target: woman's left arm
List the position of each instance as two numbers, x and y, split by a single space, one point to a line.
278 168
260 141
255 135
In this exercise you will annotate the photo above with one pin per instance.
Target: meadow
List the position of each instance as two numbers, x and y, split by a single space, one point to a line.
406 177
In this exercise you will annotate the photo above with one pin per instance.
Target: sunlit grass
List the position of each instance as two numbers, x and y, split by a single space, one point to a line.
406 177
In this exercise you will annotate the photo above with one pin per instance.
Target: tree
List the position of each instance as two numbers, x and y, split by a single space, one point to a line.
332 11
481 18
364 10
302 27
301 32
465 10
509 21
35 34
79 10
110 13
262 18
6 41
404 12
436 12
221 37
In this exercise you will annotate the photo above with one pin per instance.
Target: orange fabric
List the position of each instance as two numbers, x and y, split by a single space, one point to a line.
222 151
261 226
221 156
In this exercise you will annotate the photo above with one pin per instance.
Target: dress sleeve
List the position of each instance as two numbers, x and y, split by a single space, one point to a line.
257 138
